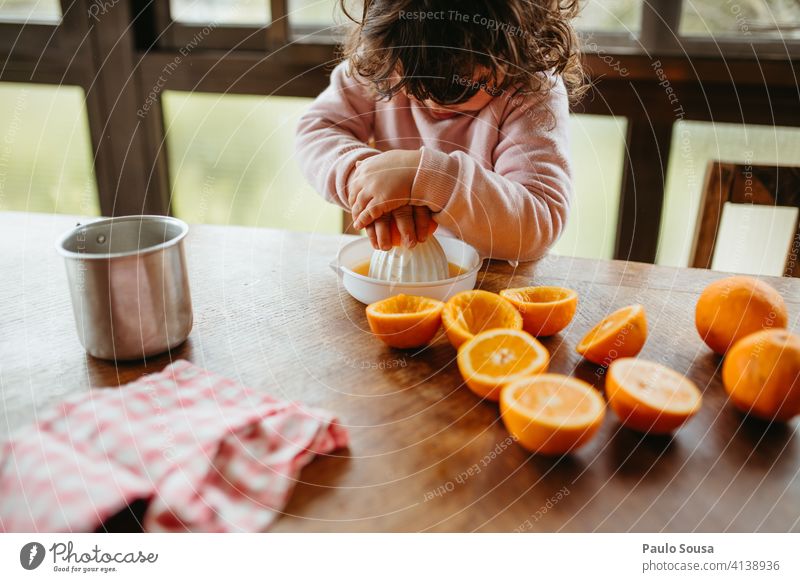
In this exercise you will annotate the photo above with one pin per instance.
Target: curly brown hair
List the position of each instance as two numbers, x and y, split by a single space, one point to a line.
428 48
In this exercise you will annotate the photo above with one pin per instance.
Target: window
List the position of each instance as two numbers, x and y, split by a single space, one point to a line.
692 27
220 11
610 15
231 162
45 151
694 144
45 11
742 19
598 155
315 13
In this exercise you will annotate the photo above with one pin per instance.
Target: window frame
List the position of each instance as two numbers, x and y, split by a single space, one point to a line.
45 41
176 35
660 31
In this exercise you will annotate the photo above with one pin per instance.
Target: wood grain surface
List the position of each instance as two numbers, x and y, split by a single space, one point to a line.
426 454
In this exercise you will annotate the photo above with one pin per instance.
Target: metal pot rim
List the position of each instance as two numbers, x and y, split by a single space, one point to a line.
184 230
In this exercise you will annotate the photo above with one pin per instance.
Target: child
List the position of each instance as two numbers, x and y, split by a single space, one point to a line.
450 111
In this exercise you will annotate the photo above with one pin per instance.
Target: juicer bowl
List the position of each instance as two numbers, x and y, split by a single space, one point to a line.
368 290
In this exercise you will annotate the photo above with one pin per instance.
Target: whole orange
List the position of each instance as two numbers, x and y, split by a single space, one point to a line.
761 374
734 307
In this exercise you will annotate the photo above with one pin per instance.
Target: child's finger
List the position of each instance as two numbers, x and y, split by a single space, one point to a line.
383 231
373 237
422 221
374 210
353 190
366 215
357 208
354 187
404 218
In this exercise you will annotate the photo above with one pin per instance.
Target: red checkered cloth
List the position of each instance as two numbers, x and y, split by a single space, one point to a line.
208 453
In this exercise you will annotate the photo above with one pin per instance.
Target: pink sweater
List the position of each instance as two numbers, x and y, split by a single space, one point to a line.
499 179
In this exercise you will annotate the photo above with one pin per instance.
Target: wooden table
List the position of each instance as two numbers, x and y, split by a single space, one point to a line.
426 454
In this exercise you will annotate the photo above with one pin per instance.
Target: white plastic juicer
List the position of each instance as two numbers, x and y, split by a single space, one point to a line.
423 263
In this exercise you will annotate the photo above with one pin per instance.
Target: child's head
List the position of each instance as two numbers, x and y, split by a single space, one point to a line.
456 53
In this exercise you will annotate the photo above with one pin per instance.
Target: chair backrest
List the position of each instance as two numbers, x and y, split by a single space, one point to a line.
347 223
745 184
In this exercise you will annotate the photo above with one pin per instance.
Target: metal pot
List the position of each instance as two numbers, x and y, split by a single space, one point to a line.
129 285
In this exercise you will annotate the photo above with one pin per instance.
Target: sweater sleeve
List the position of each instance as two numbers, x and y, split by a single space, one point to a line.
517 210
332 135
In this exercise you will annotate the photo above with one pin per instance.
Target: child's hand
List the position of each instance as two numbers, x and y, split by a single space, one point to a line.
381 184
412 224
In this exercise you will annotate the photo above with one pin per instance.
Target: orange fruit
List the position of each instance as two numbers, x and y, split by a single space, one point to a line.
495 357
734 307
471 312
649 397
761 374
619 335
405 321
550 413
545 310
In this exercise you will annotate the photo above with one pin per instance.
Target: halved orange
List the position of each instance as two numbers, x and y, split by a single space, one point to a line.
496 357
405 321
551 414
471 312
545 310
622 334
649 397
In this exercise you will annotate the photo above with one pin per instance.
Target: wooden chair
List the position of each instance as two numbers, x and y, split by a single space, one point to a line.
744 184
347 223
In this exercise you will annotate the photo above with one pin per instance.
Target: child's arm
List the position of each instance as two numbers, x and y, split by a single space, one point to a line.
333 134
518 210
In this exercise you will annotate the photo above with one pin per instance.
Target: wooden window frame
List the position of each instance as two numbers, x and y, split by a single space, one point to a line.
45 40
761 47
176 35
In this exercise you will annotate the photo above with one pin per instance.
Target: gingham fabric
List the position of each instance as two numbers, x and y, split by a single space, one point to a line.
209 454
